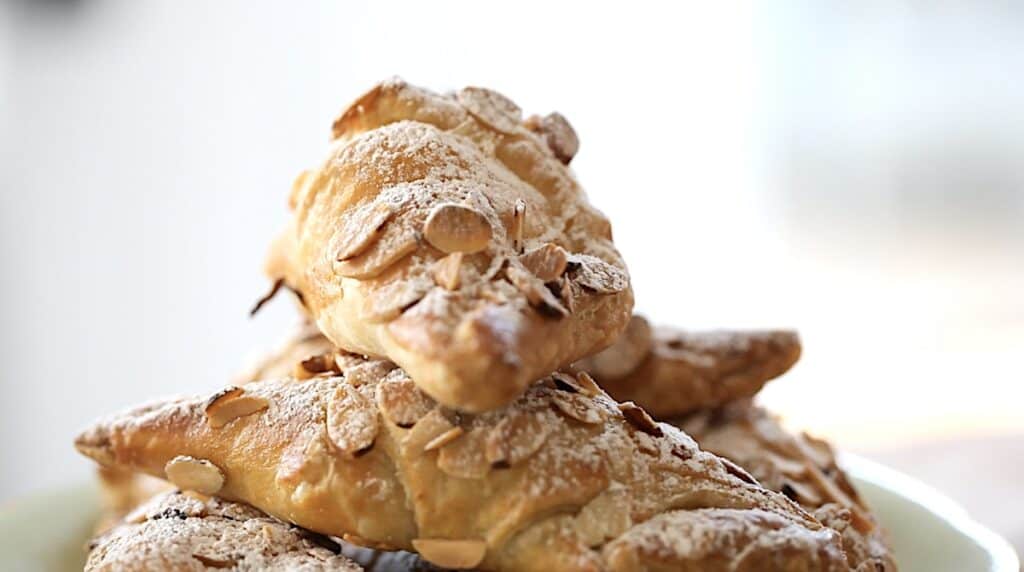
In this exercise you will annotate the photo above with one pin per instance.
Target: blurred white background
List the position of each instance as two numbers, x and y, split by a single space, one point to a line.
855 170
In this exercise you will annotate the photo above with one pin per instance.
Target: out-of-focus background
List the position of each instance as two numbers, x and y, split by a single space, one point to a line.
854 170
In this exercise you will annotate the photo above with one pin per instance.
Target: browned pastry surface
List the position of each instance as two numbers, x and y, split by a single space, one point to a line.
446 234
801 467
180 532
672 372
542 484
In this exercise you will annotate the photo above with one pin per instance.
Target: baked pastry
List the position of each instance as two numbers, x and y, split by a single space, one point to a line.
181 532
123 490
671 372
446 234
360 453
799 466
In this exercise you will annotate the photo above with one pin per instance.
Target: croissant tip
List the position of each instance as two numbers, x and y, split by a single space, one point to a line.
95 444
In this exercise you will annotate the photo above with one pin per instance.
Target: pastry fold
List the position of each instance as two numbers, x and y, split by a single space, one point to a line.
180 532
801 467
359 452
671 372
446 234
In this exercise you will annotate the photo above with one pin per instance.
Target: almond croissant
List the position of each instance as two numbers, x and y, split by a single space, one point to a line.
446 234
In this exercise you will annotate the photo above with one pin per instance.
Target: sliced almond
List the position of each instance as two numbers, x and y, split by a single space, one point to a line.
444 438
361 228
368 372
425 432
578 407
455 554
605 517
452 227
557 133
515 438
402 403
518 224
802 493
537 294
640 419
351 421
315 365
446 271
565 382
597 275
388 250
464 457
546 262
189 473
587 384
232 405
491 108
388 302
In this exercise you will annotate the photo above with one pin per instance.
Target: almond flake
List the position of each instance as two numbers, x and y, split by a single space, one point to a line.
597 275
446 271
640 419
230 405
444 438
368 372
454 554
518 224
315 365
361 228
587 384
388 302
402 403
464 457
388 250
537 294
425 431
578 407
457 228
557 133
491 108
546 262
189 473
515 438
351 421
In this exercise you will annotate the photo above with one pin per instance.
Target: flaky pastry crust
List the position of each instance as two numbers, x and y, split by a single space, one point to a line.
671 372
360 453
799 466
446 234
180 532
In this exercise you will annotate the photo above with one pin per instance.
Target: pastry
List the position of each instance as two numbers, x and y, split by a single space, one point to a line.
448 235
358 452
671 372
121 491
181 532
799 466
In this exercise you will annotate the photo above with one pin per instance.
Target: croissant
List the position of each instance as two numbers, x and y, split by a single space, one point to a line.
447 235
179 532
799 466
546 483
671 372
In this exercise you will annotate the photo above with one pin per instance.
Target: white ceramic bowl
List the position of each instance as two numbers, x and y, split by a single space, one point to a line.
930 533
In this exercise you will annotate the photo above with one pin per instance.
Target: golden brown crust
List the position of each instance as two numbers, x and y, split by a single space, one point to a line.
414 177
325 454
799 466
179 532
671 372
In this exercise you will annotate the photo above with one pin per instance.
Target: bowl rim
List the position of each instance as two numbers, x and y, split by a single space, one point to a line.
1004 557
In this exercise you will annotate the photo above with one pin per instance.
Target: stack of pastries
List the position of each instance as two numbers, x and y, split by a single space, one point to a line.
469 389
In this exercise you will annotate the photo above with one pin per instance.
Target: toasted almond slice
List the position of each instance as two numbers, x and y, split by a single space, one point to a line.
491 108
231 406
368 372
546 262
464 457
640 419
597 275
315 365
578 407
446 271
801 493
515 438
565 382
388 302
444 438
424 432
452 227
556 131
388 250
351 421
537 294
362 227
189 473
402 403
587 384
455 554
605 517
518 224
